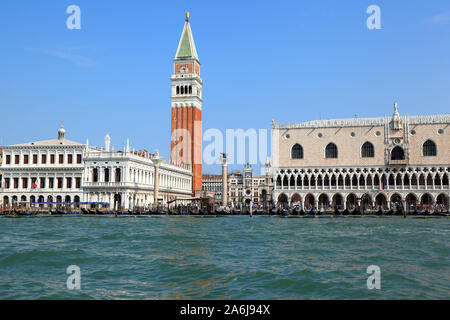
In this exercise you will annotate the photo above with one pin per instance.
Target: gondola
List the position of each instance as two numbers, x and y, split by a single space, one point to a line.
236 212
22 213
426 213
56 212
84 211
345 212
193 211
379 212
389 213
337 212
312 212
184 212
415 213
295 211
227 212
100 212
273 211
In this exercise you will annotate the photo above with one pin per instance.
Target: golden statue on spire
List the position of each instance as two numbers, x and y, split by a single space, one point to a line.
187 16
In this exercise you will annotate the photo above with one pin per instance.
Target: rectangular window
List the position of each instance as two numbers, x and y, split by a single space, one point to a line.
25 159
68 183
69 158
44 159
7 183
51 183
16 183
8 159
78 183
61 159
60 183
42 183
24 183
34 158
78 158
16 159
52 158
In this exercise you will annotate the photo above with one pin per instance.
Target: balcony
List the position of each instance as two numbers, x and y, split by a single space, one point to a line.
104 184
398 162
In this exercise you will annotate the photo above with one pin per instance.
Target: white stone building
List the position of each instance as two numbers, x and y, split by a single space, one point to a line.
63 171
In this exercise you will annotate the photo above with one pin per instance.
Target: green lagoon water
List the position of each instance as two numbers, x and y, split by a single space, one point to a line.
235 257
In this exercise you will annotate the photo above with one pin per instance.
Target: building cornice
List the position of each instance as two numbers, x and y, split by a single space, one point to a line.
363 122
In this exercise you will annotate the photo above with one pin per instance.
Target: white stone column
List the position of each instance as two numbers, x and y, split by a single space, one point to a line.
126 200
224 181
156 162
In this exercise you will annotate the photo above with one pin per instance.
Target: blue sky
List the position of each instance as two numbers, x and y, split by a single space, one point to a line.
291 61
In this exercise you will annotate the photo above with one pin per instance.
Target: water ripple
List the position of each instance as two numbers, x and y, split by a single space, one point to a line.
226 258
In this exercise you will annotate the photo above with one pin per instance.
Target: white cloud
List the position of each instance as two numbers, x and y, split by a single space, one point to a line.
66 54
439 18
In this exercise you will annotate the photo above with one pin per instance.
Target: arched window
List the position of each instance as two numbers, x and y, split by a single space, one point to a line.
397 154
190 89
429 149
182 90
367 150
297 152
178 90
331 151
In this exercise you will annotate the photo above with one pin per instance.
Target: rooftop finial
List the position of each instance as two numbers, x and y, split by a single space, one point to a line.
62 123
187 16
61 132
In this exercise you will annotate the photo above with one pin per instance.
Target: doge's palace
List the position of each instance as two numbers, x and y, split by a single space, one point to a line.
374 162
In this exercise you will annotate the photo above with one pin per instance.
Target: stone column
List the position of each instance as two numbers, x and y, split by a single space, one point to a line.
224 180
126 200
156 161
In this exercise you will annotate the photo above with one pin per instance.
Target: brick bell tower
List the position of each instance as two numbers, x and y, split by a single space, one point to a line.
186 130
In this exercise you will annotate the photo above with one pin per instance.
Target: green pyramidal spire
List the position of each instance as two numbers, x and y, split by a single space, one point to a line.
186 47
